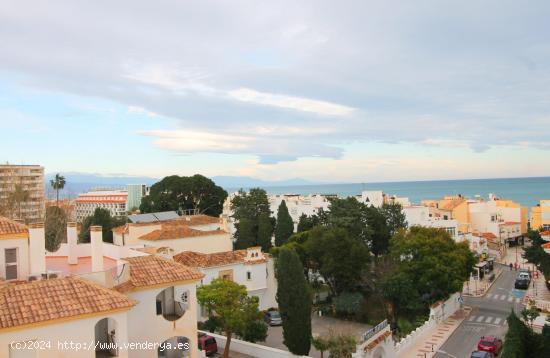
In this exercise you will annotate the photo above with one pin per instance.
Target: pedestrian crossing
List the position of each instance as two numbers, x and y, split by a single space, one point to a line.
483 319
502 298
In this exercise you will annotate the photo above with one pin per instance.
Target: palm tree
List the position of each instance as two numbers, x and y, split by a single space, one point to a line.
57 184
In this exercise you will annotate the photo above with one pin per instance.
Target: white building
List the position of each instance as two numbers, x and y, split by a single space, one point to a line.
95 292
420 216
200 233
29 178
251 268
501 221
377 198
112 200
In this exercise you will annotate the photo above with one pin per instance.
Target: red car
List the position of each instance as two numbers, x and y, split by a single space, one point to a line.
489 344
207 344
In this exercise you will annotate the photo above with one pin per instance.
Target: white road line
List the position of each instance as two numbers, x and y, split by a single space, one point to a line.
480 318
497 320
510 298
502 297
489 319
490 295
517 300
471 318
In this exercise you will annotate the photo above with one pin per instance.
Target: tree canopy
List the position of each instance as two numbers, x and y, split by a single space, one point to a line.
294 298
265 232
55 227
101 217
181 193
229 302
250 204
253 219
395 217
285 226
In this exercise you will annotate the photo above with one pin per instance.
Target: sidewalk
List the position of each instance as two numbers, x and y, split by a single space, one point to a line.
429 346
477 288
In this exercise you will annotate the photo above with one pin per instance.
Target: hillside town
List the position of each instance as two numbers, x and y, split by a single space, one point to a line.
105 274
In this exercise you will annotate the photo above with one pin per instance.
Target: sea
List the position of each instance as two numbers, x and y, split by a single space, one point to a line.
526 191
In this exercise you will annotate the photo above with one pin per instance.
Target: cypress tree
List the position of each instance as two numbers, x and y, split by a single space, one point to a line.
245 234
55 227
294 298
285 225
514 343
265 232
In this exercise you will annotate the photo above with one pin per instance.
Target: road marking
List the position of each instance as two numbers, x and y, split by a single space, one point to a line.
489 319
480 318
517 300
497 320
510 298
471 318
490 295
502 297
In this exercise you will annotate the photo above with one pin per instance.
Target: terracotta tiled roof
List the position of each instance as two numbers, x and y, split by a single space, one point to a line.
148 271
546 246
545 233
511 223
486 235
11 227
197 259
190 220
179 231
46 300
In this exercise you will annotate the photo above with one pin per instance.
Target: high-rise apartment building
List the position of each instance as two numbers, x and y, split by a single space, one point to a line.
22 192
135 193
112 200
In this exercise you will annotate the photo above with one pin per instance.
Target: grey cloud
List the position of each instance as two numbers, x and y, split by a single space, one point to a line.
433 72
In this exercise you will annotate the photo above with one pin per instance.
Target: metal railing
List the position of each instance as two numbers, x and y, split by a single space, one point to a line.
371 332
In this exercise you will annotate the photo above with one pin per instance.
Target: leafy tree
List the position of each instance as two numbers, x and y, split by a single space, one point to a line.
253 331
340 259
350 215
395 217
230 303
17 197
545 349
57 183
514 342
530 313
185 193
306 223
379 231
101 217
294 298
55 227
250 205
265 232
321 344
245 234
348 303
285 225
342 345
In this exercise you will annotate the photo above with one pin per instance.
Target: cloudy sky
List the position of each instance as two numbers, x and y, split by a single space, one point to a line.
334 91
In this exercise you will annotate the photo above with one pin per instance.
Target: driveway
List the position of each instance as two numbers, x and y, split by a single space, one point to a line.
319 326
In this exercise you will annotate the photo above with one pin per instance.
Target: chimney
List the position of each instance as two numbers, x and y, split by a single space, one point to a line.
96 234
37 248
72 258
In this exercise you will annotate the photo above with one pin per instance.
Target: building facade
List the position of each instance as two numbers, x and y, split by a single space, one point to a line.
112 200
540 216
22 192
136 192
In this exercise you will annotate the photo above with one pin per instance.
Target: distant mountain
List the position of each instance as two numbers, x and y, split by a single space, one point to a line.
233 182
81 182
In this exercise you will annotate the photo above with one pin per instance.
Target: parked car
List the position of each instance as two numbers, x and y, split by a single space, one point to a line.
522 281
273 318
525 273
207 344
482 354
490 344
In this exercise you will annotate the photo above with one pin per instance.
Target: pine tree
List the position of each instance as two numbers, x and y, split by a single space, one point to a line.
294 298
285 225
265 232
245 234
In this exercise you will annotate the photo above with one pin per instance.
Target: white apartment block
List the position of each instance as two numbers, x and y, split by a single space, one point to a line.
420 216
112 200
488 217
377 198
30 178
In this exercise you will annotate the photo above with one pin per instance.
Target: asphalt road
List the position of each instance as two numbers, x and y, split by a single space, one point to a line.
488 316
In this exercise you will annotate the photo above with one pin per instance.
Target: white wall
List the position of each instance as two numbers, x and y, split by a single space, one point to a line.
78 331
145 325
251 349
203 244
22 246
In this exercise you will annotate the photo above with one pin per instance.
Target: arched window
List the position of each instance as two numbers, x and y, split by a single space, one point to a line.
106 338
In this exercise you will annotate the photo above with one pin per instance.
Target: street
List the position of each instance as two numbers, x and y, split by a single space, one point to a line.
488 316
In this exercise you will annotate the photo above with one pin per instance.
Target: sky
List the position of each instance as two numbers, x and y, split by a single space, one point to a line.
328 91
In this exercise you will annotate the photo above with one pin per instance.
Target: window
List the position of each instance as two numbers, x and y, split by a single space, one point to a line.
248 275
10 256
